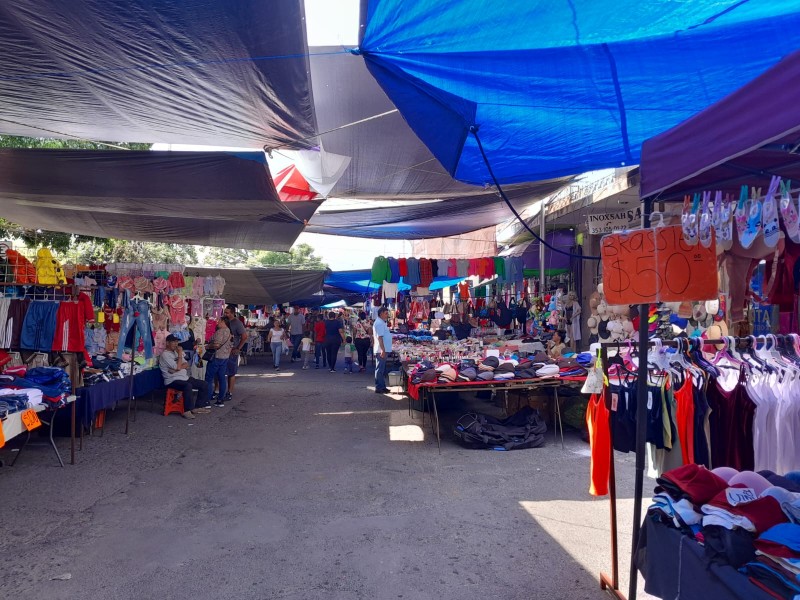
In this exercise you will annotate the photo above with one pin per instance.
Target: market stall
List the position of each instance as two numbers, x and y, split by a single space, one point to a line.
91 335
731 166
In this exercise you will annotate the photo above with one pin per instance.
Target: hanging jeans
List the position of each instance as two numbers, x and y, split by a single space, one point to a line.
136 317
39 326
277 348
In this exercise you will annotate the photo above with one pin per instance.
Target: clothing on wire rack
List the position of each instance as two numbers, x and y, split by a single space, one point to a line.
737 407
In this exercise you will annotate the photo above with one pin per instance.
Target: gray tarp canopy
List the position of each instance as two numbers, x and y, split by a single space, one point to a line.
214 198
264 285
223 73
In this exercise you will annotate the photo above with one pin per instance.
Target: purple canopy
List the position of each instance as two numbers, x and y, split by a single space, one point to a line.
746 137
563 239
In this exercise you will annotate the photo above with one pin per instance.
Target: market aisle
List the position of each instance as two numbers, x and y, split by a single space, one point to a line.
297 491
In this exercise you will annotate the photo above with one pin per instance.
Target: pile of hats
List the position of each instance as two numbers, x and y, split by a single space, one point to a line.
706 319
447 373
493 368
609 323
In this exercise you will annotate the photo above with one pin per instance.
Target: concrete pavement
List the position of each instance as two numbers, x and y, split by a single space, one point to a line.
307 486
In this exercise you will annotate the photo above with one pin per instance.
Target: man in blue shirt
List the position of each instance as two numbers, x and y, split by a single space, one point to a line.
381 347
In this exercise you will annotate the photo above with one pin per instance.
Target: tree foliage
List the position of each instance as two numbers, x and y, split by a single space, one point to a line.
15 141
300 256
111 250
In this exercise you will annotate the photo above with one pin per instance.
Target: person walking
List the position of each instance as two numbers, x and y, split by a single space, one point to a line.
381 347
319 341
572 316
217 368
362 337
306 343
297 324
276 338
334 338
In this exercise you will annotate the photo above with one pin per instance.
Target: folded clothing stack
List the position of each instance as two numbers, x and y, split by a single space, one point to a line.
743 519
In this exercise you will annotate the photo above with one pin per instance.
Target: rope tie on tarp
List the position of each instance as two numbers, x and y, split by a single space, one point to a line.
473 129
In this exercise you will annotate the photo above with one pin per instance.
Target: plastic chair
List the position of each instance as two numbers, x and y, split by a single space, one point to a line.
174 402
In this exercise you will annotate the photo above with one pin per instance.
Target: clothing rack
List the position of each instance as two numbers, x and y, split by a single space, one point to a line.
611 584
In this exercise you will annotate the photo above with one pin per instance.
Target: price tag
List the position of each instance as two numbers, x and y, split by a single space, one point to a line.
614 401
649 400
657 265
30 419
740 495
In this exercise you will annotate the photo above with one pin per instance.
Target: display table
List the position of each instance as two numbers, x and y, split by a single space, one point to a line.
13 426
426 393
105 395
675 566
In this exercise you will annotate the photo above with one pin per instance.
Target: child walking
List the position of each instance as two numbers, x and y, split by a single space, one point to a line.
305 346
349 353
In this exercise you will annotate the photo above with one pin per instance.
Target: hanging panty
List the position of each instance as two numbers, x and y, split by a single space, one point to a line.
721 220
772 230
740 215
789 212
705 231
753 213
689 219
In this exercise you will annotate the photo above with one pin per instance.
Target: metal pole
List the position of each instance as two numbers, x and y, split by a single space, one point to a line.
612 584
641 421
542 233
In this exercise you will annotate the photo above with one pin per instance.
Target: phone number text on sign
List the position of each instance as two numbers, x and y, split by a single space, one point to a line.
657 265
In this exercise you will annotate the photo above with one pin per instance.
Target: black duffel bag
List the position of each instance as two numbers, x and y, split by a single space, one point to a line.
524 429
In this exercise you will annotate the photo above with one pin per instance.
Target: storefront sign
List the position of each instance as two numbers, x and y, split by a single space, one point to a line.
615 221
764 321
656 265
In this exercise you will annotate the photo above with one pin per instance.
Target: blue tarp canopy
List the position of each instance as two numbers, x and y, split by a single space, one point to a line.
559 87
359 281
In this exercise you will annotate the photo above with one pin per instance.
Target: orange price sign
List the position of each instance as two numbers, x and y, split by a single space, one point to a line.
30 419
657 265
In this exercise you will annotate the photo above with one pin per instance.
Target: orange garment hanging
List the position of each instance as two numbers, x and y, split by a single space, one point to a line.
598 422
684 418
463 290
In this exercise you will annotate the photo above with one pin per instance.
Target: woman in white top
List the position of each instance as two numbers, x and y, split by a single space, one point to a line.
572 313
275 339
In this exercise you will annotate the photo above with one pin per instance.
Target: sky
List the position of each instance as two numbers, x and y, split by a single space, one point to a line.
332 22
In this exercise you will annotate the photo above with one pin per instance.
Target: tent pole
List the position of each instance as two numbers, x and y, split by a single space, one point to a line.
611 584
542 249
641 420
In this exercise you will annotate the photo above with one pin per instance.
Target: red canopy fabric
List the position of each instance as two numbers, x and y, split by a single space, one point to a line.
292 186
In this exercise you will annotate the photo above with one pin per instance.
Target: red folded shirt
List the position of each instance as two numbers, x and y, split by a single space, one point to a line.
696 482
762 512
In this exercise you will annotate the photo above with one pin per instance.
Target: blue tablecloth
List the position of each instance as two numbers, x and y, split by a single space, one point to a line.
106 395
675 566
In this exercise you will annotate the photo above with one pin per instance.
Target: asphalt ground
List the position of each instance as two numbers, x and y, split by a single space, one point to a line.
307 486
